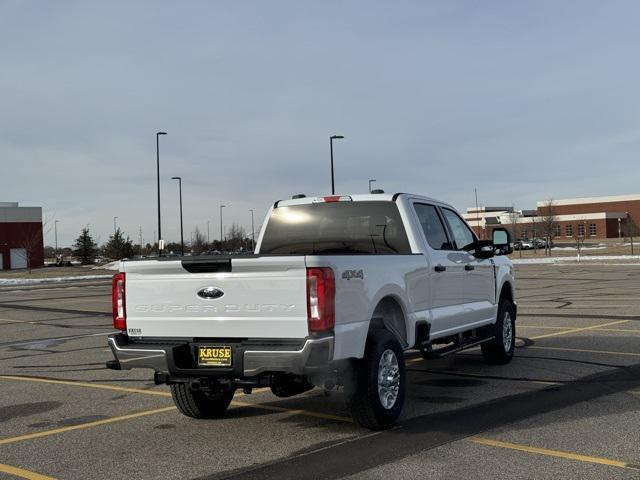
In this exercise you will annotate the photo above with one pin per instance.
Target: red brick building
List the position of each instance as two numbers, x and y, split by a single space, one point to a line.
586 218
599 217
21 242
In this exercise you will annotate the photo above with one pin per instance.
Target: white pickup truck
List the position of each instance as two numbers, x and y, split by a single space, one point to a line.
337 289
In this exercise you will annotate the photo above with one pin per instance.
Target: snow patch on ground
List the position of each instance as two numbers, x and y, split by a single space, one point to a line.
36 281
109 266
602 259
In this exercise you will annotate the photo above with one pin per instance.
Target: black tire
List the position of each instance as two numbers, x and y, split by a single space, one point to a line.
363 398
198 404
495 351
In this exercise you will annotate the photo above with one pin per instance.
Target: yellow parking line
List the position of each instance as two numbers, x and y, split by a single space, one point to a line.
544 327
599 329
6 320
582 329
46 433
168 394
629 330
294 411
553 453
22 473
86 385
607 352
100 386
97 423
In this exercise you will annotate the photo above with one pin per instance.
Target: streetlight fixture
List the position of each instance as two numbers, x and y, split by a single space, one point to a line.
253 235
181 229
370 182
331 139
221 238
158 180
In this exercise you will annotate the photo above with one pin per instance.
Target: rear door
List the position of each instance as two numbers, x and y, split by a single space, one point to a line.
479 283
447 275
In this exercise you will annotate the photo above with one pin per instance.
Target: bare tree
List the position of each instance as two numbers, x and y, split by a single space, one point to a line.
579 236
237 238
199 243
548 221
513 226
513 223
630 229
32 242
534 233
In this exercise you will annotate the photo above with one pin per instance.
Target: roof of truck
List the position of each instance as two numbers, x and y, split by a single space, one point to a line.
358 197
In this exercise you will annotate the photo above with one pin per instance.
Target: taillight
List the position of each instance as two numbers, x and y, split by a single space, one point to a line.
321 294
118 302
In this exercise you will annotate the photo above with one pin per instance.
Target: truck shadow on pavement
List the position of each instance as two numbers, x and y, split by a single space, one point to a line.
422 433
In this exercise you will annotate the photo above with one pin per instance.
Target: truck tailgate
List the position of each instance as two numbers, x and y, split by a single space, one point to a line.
262 297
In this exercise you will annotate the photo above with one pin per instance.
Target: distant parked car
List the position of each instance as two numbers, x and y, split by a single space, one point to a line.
523 245
539 243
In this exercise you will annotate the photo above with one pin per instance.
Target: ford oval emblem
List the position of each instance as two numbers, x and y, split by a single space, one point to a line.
210 293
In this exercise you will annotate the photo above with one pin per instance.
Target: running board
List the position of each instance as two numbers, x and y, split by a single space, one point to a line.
455 348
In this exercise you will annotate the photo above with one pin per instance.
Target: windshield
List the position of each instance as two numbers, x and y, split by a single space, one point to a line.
336 227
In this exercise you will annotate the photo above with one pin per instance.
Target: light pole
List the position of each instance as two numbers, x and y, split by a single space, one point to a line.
370 182
158 180
253 235
620 230
331 139
208 240
114 225
631 229
55 232
221 239
181 230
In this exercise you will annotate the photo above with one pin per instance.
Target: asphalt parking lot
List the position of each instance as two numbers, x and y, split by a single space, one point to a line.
568 406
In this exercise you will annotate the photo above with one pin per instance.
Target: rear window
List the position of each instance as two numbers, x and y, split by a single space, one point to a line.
337 227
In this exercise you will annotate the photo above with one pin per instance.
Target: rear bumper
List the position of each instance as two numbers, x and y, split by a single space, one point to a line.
176 358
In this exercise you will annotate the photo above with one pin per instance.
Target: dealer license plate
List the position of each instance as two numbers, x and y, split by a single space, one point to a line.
214 356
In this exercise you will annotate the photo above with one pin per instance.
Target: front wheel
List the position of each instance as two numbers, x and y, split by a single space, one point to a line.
377 395
500 350
199 404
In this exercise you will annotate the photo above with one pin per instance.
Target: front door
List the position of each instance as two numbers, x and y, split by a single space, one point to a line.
479 282
447 274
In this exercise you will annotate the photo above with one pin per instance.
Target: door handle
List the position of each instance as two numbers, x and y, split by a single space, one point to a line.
469 267
440 268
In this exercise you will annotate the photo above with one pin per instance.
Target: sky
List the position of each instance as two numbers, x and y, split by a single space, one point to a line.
524 101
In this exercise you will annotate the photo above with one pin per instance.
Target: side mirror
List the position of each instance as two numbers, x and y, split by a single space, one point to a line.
502 241
481 249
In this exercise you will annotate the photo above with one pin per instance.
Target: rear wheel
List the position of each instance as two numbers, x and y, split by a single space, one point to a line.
377 395
199 404
500 349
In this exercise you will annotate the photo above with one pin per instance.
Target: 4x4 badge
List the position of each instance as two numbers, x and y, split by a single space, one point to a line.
349 274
